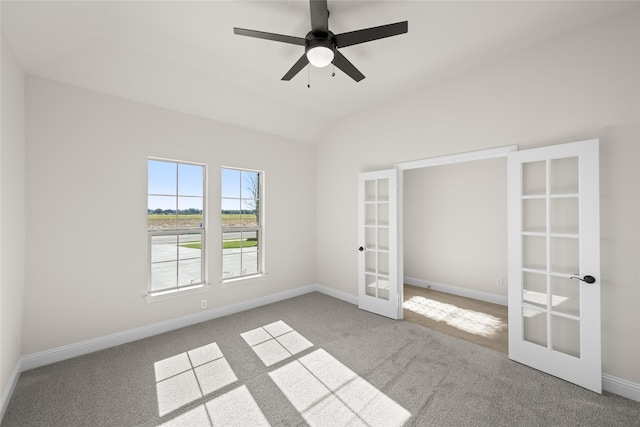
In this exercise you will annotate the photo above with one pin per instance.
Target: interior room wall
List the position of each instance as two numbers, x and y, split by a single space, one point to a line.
87 263
12 215
453 213
579 86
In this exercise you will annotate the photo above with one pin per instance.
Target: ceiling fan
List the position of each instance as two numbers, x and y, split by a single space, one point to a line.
321 45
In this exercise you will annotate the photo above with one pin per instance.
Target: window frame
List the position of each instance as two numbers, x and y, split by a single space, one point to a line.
202 285
259 229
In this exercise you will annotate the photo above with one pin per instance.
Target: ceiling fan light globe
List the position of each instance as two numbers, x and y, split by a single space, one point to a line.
320 56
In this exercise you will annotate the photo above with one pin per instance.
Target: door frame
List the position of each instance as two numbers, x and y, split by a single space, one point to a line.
469 156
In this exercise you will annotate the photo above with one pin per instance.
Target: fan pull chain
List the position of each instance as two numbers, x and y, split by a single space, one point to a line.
333 71
309 77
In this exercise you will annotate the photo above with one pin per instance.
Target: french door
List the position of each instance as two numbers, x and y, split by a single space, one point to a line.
554 261
379 259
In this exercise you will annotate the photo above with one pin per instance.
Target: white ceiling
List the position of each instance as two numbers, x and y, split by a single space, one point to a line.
183 55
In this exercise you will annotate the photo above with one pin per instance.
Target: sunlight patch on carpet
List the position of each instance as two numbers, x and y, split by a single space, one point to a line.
235 407
470 321
275 342
187 377
327 393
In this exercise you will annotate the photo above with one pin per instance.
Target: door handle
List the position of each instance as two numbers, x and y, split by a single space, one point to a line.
586 279
361 249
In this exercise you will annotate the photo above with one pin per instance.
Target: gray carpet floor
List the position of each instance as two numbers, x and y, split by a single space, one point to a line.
310 360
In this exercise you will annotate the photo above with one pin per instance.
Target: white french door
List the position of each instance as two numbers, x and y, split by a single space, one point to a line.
379 265
554 261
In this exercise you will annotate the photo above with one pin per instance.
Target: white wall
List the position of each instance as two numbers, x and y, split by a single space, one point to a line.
580 86
87 201
12 216
452 213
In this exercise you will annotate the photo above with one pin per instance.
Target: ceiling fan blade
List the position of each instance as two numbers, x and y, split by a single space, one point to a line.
319 16
269 36
299 65
369 34
343 63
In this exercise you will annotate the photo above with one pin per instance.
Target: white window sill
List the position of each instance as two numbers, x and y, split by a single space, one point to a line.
225 283
174 293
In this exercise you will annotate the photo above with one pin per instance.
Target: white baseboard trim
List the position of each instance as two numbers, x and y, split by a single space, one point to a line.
11 386
455 290
351 299
621 387
58 354
610 383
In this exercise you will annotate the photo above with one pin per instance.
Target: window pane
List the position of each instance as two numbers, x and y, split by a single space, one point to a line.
159 216
189 272
241 212
231 264
230 212
251 185
232 240
231 183
162 177
249 263
163 276
190 212
164 248
250 241
249 212
164 252
175 201
190 180
190 246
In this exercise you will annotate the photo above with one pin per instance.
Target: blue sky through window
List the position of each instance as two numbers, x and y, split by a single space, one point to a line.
166 180
237 193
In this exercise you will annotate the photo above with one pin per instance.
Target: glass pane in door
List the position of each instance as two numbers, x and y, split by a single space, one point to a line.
565 295
370 262
383 190
383 214
534 289
534 180
565 257
370 285
370 191
383 239
564 215
565 335
534 252
564 175
533 215
534 326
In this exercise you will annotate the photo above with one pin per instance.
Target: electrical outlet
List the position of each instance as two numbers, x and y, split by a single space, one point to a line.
499 281
203 304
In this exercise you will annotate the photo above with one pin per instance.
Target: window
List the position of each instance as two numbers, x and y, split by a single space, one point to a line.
175 225
241 216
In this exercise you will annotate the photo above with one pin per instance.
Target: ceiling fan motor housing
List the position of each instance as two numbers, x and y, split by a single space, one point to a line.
319 39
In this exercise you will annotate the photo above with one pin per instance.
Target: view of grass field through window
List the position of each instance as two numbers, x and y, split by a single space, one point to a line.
241 223
175 224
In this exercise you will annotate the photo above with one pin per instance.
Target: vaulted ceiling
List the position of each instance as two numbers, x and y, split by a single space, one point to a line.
183 55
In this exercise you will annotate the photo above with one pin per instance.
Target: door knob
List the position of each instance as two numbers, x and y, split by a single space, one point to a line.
361 249
586 279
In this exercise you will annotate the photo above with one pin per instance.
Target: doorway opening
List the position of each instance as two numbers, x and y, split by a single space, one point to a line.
455 245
